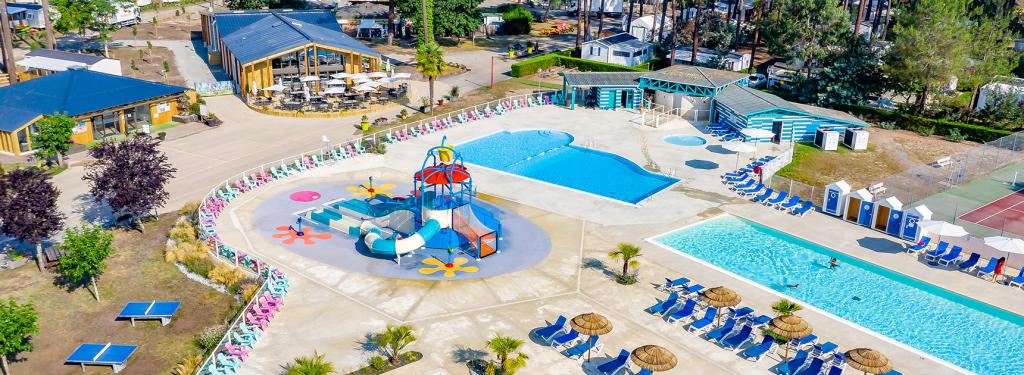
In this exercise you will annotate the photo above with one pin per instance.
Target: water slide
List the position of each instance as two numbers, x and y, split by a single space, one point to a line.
468 224
379 245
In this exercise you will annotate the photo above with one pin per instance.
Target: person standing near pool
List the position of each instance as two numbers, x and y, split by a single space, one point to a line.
999 268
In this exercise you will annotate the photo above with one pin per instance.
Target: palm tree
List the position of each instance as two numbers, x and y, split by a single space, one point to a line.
430 62
394 339
314 365
786 307
505 347
627 252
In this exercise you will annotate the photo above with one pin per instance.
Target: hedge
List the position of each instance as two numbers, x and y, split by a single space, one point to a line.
561 58
977 133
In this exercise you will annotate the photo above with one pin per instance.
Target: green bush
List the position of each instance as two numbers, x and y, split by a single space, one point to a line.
955 136
977 133
379 363
201 266
927 132
209 337
516 20
562 58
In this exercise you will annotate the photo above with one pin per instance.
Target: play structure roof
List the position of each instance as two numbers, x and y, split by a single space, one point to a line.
252 36
75 92
601 78
696 76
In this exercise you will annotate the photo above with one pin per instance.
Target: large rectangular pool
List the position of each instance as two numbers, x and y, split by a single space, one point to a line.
963 331
549 156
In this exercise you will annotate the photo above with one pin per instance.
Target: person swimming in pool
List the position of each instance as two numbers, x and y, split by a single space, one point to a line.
794 286
833 264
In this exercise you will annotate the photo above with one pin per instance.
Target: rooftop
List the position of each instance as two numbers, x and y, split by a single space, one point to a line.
748 101
66 56
621 39
696 75
254 35
601 78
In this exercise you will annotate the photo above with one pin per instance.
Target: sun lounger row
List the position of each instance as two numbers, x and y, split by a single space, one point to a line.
747 186
561 336
723 132
240 338
465 116
948 255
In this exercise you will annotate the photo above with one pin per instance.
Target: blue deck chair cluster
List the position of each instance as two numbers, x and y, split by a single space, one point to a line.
152 310
619 363
115 356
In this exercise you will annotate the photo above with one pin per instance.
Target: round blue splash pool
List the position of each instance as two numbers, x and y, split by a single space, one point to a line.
685 140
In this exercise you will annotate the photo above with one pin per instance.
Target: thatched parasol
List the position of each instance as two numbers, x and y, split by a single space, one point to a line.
654 358
720 297
868 360
591 324
789 327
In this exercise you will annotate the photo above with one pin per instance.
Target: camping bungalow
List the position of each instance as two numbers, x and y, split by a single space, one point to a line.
43 61
732 60
26 15
622 49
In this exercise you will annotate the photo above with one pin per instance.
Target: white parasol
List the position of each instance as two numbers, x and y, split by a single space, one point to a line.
309 79
334 90
364 87
378 75
340 75
335 82
739 148
401 75
1006 244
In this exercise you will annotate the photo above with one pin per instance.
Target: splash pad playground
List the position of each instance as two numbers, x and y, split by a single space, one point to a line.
439 230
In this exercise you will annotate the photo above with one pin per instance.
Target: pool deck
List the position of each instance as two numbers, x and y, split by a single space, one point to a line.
333 311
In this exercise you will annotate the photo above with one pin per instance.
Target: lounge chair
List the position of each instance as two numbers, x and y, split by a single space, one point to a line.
970 264
937 252
666 305
738 339
764 195
923 244
579 350
549 332
812 368
792 202
750 191
741 312
729 180
566 339
683 313
759 321
805 207
1017 281
758 351
670 284
951 256
709 317
989 268
744 185
835 370
618 363
778 199
791 366
823 350
801 342
722 331
692 290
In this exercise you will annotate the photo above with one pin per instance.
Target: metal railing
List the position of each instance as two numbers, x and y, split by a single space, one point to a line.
263 270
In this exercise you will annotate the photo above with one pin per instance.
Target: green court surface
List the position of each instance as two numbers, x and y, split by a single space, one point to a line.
951 204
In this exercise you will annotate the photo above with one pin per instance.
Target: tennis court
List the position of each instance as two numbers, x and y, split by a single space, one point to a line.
1005 214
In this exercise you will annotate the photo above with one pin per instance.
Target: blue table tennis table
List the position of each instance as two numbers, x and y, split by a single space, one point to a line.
149 310
102 355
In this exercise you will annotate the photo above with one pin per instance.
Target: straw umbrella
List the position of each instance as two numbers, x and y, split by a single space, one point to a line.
653 358
591 324
720 297
789 327
868 360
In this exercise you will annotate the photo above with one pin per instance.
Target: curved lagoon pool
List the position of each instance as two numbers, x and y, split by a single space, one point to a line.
685 140
968 333
549 156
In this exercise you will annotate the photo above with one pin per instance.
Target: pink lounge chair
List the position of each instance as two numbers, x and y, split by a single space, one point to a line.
309 162
256 320
351 150
271 299
241 187
262 312
236 350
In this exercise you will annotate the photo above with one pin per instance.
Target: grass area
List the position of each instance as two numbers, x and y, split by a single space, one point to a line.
817 167
52 171
135 272
541 84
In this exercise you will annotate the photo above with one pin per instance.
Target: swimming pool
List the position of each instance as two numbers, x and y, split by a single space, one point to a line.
685 140
547 155
970 334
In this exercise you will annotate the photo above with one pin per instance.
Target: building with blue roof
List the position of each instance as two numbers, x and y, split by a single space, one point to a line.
261 48
104 105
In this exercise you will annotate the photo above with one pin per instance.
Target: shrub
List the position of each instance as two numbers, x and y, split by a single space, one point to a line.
226 275
378 362
183 231
247 288
209 337
888 125
561 58
516 20
918 124
955 136
927 132
201 266
186 252
190 210
188 365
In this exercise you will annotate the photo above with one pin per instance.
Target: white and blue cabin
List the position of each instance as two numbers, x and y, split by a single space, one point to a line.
888 216
835 198
859 207
911 231
741 107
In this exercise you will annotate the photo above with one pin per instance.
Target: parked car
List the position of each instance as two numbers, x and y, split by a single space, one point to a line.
757 80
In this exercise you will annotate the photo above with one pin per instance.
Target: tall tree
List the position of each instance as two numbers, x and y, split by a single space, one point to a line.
988 48
28 208
917 59
661 23
53 139
86 251
391 22
758 15
130 176
18 322
7 44
859 18
451 18
850 79
807 31
629 16
51 42
430 62
394 340
741 10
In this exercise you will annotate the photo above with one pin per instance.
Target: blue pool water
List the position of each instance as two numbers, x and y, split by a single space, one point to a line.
963 331
548 155
685 140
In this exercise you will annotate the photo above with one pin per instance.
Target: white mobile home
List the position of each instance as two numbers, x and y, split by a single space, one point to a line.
622 49
732 61
43 61
26 15
612 8
1000 86
644 27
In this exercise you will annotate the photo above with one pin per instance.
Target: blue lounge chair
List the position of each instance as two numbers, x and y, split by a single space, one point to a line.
778 199
801 342
751 190
149 310
812 368
618 363
792 202
923 244
566 339
549 332
645 372
791 366
694 289
1017 281
740 313
580 349
684 313
745 185
893 372
989 268
764 195
835 370
805 207
724 330
970 264
823 350
760 321
709 317
736 340
666 305
939 251
952 256
758 351
675 284
102 355
729 180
